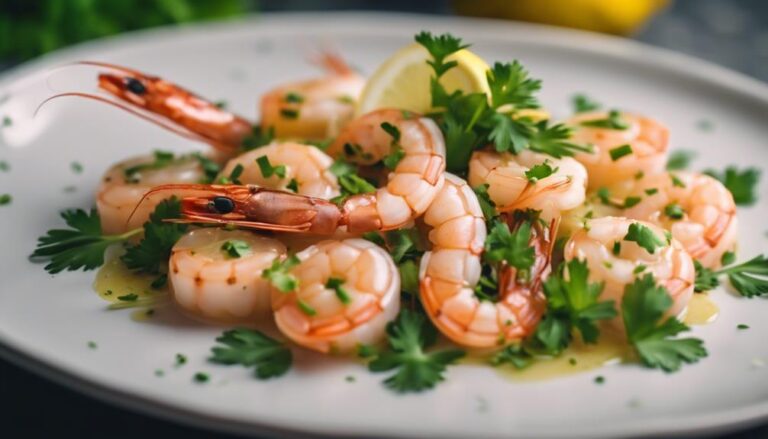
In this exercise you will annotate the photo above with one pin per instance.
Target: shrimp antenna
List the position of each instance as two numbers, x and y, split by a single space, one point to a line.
107 66
170 187
149 117
330 61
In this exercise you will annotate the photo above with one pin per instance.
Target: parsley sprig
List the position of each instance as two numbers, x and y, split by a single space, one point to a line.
750 279
409 336
573 305
741 183
473 120
349 181
250 348
151 254
643 307
82 245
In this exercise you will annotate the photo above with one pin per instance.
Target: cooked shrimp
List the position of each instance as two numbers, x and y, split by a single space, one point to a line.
170 107
416 178
510 189
316 108
305 165
452 269
647 139
337 318
617 265
696 208
210 284
125 184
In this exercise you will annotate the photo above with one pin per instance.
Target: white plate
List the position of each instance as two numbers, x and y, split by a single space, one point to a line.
45 321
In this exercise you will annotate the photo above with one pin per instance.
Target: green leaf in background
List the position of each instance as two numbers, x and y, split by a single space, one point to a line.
32 27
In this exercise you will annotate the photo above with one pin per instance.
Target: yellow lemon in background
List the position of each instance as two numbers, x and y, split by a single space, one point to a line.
609 16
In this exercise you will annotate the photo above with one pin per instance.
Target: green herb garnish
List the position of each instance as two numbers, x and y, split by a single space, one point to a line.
612 122
235 248
750 279
644 237
584 104
409 337
620 151
741 184
279 274
643 306
252 349
267 170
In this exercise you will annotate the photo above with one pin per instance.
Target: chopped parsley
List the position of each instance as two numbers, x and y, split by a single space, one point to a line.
132 297
350 182
289 113
750 279
279 274
393 158
514 354
210 168
7 121
676 182
584 104
252 349
267 170
4 166
180 360
674 211
335 284
620 151
234 176
680 159
406 249
612 122
631 202
293 97
5 199
742 326
409 337
644 237
293 185
76 167
201 377
540 171
92 345
643 307
161 159
259 136
235 248
741 184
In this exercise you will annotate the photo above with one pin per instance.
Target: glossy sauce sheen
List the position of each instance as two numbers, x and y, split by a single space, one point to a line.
114 280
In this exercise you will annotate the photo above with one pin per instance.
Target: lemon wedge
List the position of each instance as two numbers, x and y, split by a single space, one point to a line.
403 80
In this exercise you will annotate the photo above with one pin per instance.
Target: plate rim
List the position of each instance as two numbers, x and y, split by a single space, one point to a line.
385 23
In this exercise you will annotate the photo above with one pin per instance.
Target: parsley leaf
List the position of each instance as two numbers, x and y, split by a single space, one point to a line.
162 159
513 248
409 336
510 85
486 204
573 305
620 151
644 237
336 284
537 172
742 184
583 104
251 348
278 274
151 254
235 248
80 246
553 140
749 278
350 182
514 354
234 176
643 306
210 168
440 47
680 159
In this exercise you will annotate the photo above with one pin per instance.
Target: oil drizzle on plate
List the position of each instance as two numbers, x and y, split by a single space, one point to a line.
577 358
114 280
701 310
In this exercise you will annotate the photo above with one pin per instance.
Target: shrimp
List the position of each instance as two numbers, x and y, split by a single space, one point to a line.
670 264
171 107
696 208
451 270
317 108
510 188
125 184
416 179
337 318
305 165
209 284
647 139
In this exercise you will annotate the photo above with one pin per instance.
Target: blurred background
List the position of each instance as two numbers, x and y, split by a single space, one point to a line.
732 33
